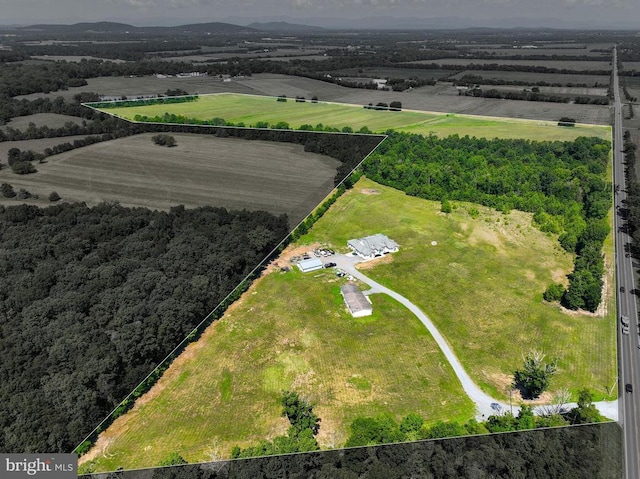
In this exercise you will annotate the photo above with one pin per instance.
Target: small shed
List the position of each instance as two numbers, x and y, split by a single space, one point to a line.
312 264
357 303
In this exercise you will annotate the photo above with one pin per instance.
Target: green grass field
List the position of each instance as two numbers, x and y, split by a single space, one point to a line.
251 109
481 285
290 331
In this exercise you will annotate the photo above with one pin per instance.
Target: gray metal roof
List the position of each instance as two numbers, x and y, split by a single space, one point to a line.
310 264
356 301
371 245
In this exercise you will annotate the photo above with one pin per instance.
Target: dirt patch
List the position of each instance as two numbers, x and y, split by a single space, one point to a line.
284 260
501 381
386 259
559 276
369 191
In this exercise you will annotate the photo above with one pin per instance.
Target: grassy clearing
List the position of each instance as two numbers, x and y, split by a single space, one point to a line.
289 331
481 284
250 110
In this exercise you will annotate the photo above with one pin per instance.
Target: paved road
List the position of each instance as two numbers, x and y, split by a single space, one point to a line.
485 404
628 344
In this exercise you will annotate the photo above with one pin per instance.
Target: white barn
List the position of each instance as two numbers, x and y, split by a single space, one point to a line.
372 246
312 264
357 303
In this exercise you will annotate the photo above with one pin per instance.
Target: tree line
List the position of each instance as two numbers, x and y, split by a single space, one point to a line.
385 429
563 183
554 453
534 96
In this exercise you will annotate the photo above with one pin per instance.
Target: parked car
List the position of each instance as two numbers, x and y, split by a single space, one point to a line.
329 265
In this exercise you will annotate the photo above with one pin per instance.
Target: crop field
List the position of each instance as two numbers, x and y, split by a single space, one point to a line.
559 64
250 110
73 58
52 120
425 98
201 170
389 72
556 90
532 78
37 145
146 85
290 331
481 285
550 52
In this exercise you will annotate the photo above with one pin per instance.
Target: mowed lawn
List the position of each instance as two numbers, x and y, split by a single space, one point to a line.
251 109
481 284
290 331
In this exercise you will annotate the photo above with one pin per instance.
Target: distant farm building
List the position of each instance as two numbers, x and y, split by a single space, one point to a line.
357 303
312 264
372 246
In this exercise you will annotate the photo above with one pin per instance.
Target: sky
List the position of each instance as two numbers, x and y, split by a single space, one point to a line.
173 12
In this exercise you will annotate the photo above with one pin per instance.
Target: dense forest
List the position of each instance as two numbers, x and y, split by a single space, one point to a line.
562 183
566 452
93 298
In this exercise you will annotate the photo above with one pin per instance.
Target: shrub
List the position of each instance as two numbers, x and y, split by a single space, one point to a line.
53 196
445 206
173 459
23 194
23 168
164 140
7 190
553 292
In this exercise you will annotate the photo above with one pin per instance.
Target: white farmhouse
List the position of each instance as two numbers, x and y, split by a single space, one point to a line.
372 246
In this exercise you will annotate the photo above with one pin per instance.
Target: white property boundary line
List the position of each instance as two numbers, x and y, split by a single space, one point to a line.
206 318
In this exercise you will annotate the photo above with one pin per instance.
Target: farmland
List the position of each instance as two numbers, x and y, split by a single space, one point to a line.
199 171
253 109
289 331
37 145
441 98
558 64
534 77
496 267
52 120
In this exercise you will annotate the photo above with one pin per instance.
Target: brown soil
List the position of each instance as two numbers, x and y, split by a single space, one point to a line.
386 259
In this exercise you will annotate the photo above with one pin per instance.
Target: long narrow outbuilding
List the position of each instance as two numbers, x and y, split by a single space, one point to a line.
312 264
357 303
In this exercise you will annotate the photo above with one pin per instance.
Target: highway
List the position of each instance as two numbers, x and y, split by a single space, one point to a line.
628 344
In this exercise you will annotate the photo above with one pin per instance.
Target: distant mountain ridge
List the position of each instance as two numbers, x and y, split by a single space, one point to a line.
114 27
285 27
